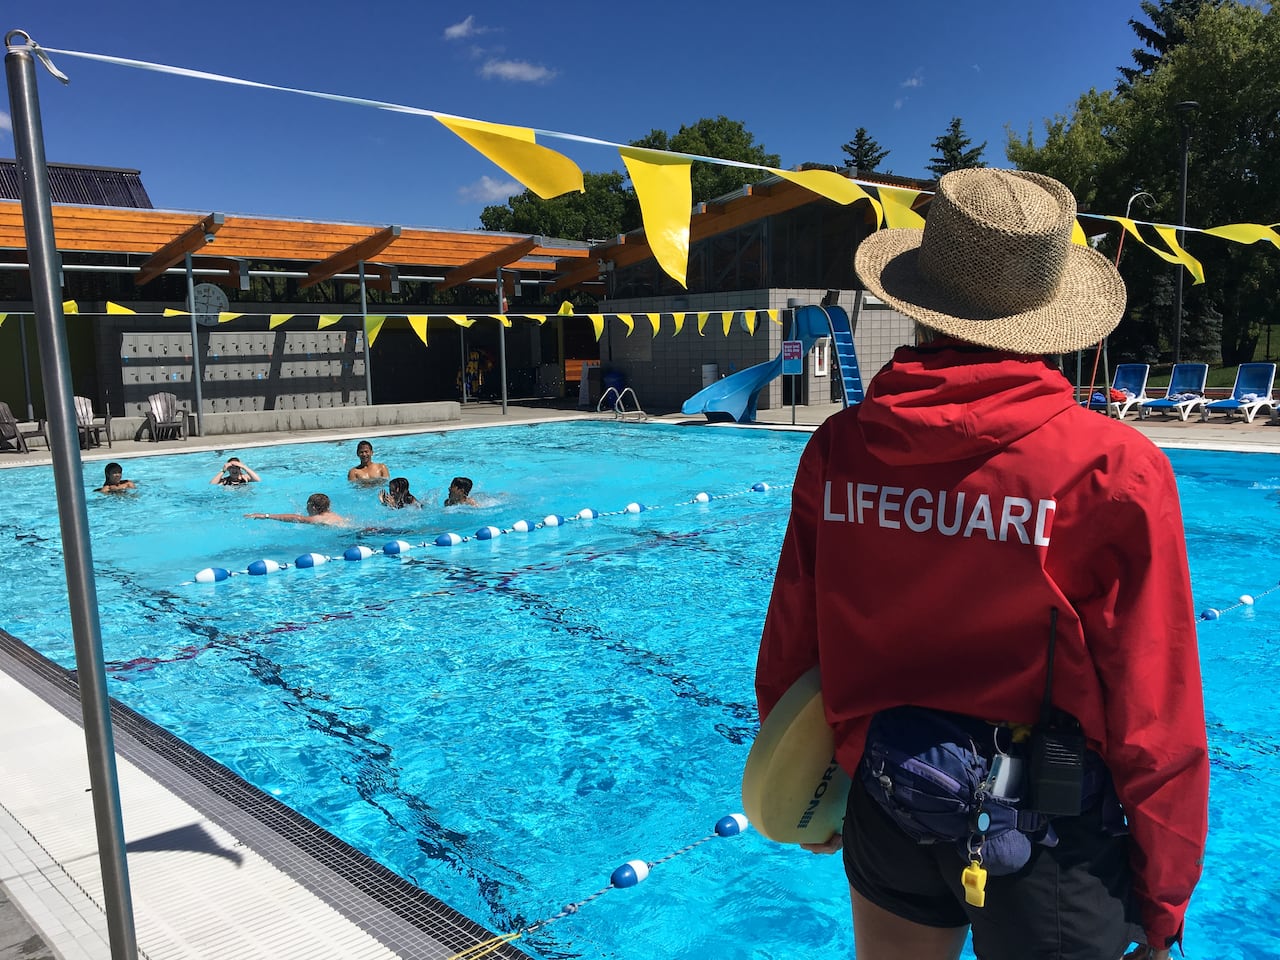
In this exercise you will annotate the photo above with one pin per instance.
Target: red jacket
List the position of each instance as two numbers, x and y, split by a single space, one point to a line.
932 529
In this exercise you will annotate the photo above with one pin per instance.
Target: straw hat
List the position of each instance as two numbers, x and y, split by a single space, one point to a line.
995 265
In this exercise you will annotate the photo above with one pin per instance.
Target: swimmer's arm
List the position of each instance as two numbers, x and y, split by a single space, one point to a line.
352 474
217 477
248 472
286 517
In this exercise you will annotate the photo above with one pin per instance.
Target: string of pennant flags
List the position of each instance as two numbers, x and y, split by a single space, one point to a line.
418 321
662 179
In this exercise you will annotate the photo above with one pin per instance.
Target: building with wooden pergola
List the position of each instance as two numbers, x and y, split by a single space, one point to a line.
280 310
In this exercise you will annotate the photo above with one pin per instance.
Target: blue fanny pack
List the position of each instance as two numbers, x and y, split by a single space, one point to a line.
931 772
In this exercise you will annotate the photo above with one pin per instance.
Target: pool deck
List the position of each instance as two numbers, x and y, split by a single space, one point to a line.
217 873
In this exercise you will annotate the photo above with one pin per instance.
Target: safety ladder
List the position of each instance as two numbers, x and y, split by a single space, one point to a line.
616 400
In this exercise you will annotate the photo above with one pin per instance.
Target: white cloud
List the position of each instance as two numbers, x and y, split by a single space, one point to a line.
6 122
898 103
517 70
489 190
915 80
464 29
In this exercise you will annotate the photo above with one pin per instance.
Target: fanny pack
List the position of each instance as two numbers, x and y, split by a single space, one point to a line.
930 771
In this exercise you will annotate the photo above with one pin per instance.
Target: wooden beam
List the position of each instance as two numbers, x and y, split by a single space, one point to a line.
489 263
345 259
189 241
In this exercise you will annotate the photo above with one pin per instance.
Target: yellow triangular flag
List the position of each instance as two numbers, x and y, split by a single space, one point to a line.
833 186
726 317
117 308
566 309
326 320
1077 234
279 318
541 318
665 191
70 306
3 318
502 318
597 321
626 318
702 322
228 317
461 319
897 207
168 312
679 321
773 315
655 320
750 317
373 326
545 172
1246 233
419 323
1194 267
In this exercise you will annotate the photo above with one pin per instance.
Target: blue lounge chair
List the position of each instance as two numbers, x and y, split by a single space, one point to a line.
1252 392
1131 380
1185 393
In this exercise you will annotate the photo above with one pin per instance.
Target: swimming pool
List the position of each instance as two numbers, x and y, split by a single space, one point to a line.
503 722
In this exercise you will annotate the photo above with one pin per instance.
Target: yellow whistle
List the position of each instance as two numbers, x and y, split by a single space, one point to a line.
974 880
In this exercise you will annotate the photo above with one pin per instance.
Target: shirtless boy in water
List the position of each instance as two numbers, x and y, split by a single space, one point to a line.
318 511
366 471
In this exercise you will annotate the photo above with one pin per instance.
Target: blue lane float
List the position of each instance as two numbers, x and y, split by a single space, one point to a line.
394 548
624 877
1245 600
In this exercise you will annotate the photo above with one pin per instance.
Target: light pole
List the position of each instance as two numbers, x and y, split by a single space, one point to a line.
1185 109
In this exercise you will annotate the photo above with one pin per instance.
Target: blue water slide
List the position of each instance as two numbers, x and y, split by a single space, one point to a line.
846 356
734 397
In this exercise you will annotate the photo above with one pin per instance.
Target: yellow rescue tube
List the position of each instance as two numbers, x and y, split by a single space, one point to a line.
793 791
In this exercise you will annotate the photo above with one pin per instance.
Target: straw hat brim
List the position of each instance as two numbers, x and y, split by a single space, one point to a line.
1085 308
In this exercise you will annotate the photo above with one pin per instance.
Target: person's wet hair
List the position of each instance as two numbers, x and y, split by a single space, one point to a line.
317 503
398 486
115 469
463 484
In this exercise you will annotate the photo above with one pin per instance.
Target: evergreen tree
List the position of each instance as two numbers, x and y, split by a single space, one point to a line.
954 152
1168 29
863 151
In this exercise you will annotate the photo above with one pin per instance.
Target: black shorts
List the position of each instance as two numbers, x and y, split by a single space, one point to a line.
1070 902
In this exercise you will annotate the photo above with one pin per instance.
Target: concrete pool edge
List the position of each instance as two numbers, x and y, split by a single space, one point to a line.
237 826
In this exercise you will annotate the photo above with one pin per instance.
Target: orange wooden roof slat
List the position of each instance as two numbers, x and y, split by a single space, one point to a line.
489 263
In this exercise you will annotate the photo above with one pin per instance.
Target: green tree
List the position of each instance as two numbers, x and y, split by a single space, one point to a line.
863 151
606 208
1169 20
722 138
1078 149
954 152
1111 147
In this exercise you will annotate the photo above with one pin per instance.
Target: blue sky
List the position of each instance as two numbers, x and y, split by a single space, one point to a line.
801 76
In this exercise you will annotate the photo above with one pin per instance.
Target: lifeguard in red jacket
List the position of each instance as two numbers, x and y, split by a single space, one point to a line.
942 531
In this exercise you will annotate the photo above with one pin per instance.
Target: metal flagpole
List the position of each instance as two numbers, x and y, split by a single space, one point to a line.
368 354
195 349
502 340
26 370
68 475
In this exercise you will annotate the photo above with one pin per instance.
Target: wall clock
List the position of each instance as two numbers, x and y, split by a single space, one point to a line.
207 301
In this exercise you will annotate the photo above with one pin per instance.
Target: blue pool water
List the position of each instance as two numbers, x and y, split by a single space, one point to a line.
504 722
